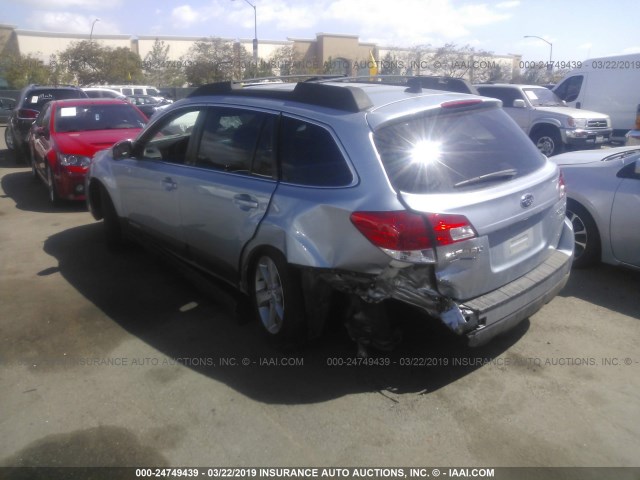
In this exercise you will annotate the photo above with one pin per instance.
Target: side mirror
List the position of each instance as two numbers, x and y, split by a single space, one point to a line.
122 150
519 103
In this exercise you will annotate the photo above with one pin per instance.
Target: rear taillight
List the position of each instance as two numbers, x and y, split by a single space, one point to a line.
27 114
562 188
412 237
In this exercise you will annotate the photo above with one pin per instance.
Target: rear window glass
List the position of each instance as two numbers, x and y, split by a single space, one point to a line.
450 152
36 99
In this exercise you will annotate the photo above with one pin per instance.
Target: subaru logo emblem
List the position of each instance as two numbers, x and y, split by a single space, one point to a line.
526 200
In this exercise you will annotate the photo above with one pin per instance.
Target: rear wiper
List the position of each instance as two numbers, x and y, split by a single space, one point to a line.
510 173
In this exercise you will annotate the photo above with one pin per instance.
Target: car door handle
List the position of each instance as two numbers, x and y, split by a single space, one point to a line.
245 202
168 184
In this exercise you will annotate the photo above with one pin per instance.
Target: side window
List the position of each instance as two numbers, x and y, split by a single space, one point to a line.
170 139
127 91
309 155
45 115
231 137
506 95
570 88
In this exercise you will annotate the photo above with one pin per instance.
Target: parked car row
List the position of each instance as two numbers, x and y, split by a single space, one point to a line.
547 120
67 134
313 194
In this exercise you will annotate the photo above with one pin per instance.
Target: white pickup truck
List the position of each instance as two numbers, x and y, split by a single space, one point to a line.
549 122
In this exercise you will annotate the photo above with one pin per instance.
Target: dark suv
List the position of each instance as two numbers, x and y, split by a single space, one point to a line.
31 100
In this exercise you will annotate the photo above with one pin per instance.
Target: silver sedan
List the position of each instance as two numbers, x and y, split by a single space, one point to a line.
603 188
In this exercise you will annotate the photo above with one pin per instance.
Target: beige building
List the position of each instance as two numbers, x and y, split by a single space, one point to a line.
335 53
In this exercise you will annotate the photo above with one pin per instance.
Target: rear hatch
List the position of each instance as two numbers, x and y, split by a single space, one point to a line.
471 173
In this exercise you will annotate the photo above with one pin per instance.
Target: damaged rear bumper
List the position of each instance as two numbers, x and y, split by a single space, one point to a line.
479 319
502 309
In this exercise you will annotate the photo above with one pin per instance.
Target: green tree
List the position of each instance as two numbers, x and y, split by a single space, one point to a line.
90 63
458 62
214 60
122 66
390 64
286 61
159 69
20 70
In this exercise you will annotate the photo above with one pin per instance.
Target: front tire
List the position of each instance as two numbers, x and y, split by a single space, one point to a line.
277 299
548 141
51 186
111 223
587 237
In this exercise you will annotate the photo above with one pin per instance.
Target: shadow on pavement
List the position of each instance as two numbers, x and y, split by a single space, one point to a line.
30 194
614 288
147 298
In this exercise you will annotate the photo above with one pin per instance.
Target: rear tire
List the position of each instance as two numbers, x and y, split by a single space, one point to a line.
587 237
8 139
34 171
277 299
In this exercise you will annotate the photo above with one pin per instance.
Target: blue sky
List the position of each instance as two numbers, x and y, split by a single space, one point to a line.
577 29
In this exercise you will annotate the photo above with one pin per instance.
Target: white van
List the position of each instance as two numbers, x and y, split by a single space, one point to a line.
135 90
609 85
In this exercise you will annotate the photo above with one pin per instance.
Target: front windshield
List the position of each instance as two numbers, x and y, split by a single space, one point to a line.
543 97
97 117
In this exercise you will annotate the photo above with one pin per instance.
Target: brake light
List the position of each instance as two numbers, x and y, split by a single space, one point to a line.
562 188
451 228
410 236
459 103
27 114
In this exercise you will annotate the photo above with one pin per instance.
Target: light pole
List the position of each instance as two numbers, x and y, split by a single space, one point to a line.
92 25
255 33
546 41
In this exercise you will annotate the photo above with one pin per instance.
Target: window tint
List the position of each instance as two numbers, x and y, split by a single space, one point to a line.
570 88
542 97
170 141
229 139
309 155
455 151
44 116
36 99
97 117
507 95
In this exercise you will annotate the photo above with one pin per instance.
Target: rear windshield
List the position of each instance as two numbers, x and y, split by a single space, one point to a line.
97 117
36 99
455 151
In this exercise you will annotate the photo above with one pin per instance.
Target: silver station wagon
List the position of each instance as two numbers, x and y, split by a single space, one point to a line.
300 194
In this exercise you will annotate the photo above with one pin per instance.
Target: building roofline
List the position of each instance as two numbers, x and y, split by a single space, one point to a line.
39 33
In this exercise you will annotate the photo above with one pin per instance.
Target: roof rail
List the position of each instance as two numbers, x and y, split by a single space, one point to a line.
415 83
346 98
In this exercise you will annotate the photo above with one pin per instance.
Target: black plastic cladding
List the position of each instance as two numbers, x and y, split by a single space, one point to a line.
346 98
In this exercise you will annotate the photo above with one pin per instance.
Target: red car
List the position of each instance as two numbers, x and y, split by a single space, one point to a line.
67 133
